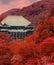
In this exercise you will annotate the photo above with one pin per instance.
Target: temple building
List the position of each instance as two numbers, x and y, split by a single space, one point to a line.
16 26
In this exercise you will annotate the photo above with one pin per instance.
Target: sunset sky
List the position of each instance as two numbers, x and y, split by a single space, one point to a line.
9 4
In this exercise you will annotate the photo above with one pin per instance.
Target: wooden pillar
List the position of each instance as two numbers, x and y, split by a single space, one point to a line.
13 34
22 35
19 35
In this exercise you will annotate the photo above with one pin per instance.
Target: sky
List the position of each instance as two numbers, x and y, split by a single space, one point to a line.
10 4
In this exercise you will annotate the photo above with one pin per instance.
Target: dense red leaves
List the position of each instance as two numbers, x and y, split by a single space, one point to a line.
47 47
23 51
44 29
5 52
33 50
32 62
5 56
5 37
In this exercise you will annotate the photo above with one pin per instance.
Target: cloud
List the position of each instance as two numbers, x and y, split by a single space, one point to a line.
22 3
9 1
5 1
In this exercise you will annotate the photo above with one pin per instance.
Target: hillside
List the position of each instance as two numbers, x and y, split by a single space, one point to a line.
35 12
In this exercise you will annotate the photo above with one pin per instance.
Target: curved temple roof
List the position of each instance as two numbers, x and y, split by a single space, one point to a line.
13 20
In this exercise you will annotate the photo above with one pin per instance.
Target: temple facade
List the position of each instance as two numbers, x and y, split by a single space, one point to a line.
16 26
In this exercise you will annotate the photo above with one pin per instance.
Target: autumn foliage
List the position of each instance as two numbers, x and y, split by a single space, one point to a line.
44 30
37 49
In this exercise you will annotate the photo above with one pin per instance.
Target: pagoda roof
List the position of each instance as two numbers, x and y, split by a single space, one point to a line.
13 20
